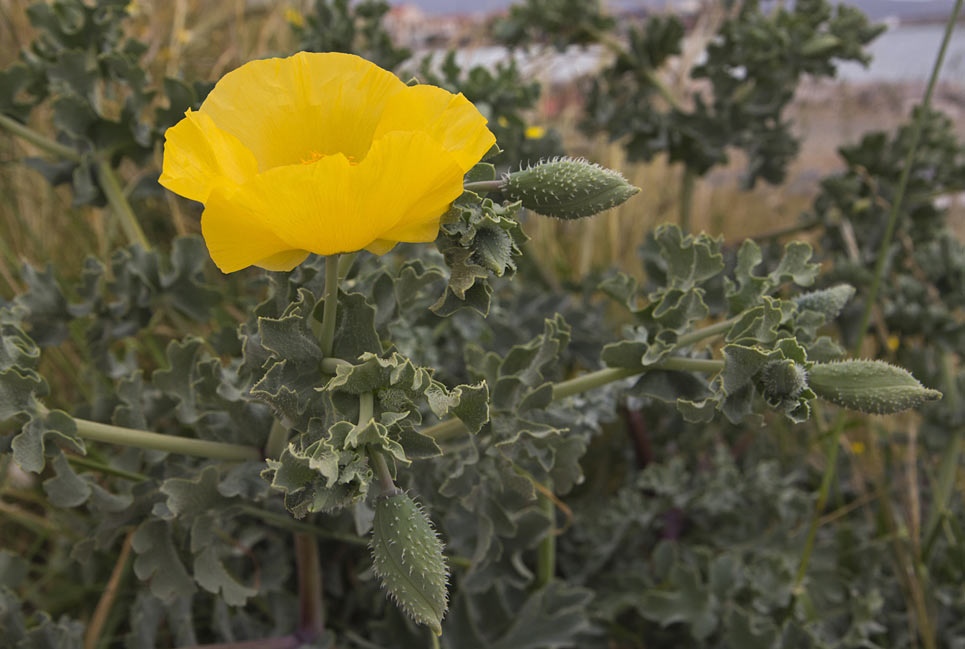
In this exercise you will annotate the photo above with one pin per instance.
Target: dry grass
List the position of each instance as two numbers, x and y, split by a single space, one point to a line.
201 40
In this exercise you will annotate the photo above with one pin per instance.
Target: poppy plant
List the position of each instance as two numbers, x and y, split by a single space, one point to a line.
324 153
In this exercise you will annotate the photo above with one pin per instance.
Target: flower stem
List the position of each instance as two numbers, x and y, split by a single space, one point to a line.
277 439
38 140
903 179
186 446
546 557
327 335
484 186
311 614
118 202
379 466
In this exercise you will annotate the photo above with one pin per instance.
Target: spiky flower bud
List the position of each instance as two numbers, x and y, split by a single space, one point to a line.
568 188
869 386
784 380
408 559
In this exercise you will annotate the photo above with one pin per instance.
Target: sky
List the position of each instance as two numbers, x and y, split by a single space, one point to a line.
874 8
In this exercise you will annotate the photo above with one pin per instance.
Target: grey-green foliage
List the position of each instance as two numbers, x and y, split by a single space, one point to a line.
80 64
753 66
356 28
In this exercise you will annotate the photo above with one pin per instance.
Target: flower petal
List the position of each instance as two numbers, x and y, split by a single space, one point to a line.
310 105
199 156
237 238
451 119
398 193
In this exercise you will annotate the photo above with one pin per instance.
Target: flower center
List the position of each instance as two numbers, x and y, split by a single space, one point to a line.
315 156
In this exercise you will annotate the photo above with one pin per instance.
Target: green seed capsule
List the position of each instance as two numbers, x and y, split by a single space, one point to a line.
828 301
869 386
568 189
408 559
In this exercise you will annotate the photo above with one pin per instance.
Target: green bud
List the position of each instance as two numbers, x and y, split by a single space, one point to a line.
784 380
568 189
408 559
828 301
869 386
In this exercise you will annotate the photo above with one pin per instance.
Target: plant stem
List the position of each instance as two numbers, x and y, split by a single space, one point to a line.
546 557
949 465
97 621
186 446
706 332
376 457
451 427
687 182
484 186
345 265
277 440
311 614
903 180
118 202
327 335
834 443
87 463
50 146
610 374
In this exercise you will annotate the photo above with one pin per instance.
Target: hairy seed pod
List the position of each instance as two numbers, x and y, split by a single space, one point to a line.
568 188
874 387
408 559
784 379
828 301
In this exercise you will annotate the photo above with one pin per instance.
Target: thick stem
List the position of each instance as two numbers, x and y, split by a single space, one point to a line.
345 265
38 140
170 443
118 202
327 334
311 615
546 557
277 440
903 180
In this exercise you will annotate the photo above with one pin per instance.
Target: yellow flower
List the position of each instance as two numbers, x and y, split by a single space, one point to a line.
294 17
534 132
323 153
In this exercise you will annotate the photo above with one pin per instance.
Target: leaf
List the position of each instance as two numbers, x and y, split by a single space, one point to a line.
158 561
29 447
211 575
66 489
690 259
407 557
686 600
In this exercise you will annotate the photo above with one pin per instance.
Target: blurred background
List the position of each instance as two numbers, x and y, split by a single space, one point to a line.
202 39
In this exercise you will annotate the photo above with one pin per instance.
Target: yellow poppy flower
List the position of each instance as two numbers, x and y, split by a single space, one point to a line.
323 153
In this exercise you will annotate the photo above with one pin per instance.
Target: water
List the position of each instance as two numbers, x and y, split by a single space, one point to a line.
907 52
